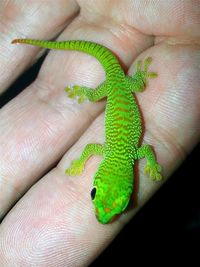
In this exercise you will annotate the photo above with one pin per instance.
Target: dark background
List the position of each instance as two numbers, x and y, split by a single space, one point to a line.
167 229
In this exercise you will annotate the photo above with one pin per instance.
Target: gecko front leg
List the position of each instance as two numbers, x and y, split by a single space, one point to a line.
77 166
152 167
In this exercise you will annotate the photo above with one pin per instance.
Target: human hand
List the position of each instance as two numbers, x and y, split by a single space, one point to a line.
53 223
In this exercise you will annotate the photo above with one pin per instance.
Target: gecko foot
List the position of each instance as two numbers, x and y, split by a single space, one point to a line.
154 171
74 91
76 168
144 72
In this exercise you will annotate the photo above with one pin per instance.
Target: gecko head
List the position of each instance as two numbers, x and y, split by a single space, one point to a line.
110 199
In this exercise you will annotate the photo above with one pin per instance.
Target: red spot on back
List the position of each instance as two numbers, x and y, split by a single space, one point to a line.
121 109
107 210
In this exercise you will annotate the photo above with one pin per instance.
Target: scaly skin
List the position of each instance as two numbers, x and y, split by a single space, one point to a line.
113 181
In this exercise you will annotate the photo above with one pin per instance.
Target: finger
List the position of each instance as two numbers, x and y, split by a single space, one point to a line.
56 216
152 19
173 93
22 18
58 224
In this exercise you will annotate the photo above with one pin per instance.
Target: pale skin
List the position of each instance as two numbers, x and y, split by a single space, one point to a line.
40 125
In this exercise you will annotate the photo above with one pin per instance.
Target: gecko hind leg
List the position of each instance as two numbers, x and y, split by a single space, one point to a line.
138 82
84 93
78 91
145 72
77 166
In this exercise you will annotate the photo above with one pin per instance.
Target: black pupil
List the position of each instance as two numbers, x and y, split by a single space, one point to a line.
93 193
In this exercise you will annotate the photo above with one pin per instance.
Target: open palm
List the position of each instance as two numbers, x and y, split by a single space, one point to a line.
53 223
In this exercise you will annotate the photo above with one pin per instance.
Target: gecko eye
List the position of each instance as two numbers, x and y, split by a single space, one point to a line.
93 193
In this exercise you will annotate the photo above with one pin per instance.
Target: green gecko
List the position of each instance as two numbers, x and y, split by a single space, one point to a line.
114 179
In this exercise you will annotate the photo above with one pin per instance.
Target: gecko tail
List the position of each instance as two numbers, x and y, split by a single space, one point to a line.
108 61
17 41
40 43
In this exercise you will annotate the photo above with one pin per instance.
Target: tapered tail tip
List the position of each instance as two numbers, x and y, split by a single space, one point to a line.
15 41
